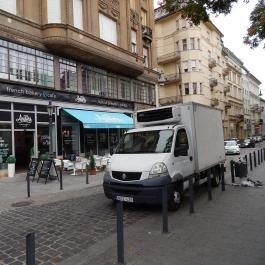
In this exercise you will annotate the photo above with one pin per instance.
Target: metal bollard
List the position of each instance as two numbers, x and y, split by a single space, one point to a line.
258 157
28 185
232 167
250 161
120 237
210 197
164 209
261 156
255 161
87 175
223 177
246 158
61 178
30 249
191 191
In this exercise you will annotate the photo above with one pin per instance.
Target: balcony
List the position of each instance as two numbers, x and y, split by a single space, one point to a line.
225 71
147 34
171 78
213 82
214 102
170 100
69 41
211 63
169 57
228 106
254 107
226 89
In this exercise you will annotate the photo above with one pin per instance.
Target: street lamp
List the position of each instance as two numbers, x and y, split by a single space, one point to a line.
50 113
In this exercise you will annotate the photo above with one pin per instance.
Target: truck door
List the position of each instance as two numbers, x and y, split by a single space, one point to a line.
183 154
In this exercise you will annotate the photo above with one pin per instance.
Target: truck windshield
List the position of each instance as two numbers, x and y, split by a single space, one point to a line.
158 141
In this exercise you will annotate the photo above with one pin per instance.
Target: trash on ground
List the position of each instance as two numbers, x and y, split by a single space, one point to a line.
249 183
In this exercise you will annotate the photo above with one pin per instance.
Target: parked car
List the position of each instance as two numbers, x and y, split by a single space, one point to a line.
231 147
246 143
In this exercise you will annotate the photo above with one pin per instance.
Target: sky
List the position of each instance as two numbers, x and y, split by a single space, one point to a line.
234 27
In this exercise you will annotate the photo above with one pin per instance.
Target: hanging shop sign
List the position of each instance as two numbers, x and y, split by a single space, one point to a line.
24 121
46 94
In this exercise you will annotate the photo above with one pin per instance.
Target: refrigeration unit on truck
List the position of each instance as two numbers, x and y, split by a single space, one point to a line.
168 145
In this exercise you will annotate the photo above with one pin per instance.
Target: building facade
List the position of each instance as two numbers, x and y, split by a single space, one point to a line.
195 65
89 58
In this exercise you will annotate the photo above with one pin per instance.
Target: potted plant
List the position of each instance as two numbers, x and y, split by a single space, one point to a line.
92 165
11 160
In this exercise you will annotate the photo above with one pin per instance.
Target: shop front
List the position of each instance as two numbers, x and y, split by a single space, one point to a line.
98 132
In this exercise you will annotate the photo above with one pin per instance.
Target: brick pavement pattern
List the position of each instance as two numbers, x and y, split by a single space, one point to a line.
78 227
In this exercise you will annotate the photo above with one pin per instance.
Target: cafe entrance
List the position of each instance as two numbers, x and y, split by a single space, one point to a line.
24 146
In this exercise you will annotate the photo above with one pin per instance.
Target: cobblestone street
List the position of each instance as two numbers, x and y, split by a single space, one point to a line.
62 228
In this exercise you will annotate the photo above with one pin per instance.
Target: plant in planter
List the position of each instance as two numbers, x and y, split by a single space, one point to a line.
43 157
92 165
11 160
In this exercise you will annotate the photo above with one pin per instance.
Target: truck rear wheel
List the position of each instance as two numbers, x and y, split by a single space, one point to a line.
175 198
216 176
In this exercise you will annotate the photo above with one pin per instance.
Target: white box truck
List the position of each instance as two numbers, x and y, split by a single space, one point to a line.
168 145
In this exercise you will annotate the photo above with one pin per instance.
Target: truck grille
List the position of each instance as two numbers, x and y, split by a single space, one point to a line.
126 176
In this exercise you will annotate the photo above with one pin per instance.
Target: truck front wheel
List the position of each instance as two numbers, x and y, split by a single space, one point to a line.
175 198
216 177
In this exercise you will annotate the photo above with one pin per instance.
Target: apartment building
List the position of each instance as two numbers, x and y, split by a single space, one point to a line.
92 59
234 111
195 66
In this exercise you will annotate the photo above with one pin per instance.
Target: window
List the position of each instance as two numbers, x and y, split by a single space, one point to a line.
125 89
54 11
144 17
9 6
94 81
145 56
186 87
133 41
192 43
184 45
198 44
193 65
78 13
112 86
30 66
185 66
68 75
182 143
194 87
108 29
3 62
183 22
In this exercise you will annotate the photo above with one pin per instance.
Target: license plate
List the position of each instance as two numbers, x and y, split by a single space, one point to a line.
124 198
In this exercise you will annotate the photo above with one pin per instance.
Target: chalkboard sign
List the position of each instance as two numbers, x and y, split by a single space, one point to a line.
45 170
33 168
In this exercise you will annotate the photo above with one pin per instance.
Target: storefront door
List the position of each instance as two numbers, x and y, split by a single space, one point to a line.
24 144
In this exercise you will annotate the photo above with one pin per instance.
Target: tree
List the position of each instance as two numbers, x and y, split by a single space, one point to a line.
200 10
256 31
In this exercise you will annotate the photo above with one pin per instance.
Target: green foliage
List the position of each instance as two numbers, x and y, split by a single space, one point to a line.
92 163
256 31
11 159
43 157
199 10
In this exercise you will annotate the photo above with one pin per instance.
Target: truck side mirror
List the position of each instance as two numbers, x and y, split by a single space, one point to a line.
181 150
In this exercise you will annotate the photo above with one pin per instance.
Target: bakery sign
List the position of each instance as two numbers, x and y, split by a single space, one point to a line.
24 120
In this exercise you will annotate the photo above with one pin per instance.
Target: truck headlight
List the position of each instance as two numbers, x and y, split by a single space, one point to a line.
158 170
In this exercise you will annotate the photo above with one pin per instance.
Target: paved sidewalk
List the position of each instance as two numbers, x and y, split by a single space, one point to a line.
229 230
14 190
